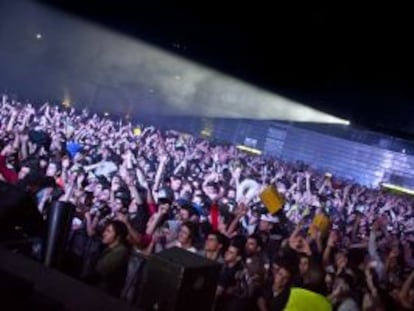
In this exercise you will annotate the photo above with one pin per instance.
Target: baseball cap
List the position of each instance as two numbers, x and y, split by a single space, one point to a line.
164 196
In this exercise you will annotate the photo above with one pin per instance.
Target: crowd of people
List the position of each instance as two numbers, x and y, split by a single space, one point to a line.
143 191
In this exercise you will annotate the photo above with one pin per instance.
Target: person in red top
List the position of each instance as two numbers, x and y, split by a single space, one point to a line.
9 175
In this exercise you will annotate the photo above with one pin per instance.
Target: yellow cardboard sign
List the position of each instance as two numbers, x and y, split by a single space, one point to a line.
272 199
321 223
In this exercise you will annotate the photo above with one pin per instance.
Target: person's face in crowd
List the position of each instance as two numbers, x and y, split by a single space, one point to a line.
51 170
116 183
117 205
341 260
303 265
164 208
175 184
180 155
183 215
281 278
197 200
97 191
146 167
78 157
24 171
109 235
232 255
105 195
92 181
231 194
187 188
184 235
265 226
211 190
251 247
212 244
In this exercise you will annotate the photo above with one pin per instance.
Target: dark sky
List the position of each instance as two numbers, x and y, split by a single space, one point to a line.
354 62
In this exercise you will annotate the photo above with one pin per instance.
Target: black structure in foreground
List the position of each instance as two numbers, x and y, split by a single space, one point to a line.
177 280
28 285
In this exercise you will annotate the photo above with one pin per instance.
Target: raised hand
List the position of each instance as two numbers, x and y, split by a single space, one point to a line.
163 158
65 163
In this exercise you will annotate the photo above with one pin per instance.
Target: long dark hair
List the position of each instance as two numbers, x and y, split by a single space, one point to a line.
121 230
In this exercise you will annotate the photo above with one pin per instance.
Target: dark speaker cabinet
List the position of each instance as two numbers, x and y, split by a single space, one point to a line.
177 280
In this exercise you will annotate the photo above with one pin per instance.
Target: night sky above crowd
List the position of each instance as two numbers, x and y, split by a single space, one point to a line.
353 62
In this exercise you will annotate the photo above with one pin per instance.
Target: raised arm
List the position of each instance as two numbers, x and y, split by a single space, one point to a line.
404 293
160 172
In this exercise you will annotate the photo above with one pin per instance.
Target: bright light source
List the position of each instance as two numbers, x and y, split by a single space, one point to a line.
398 188
248 149
206 133
205 93
106 114
66 103
137 131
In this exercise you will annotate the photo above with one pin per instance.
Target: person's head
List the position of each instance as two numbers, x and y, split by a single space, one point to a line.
104 195
255 268
185 212
118 205
341 259
27 167
97 190
187 233
176 183
212 189
78 157
116 180
231 194
254 245
304 263
215 242
164 200
234 254
180 152
198 198
115 233
23 172
282 274
314 279
267 223
52 169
